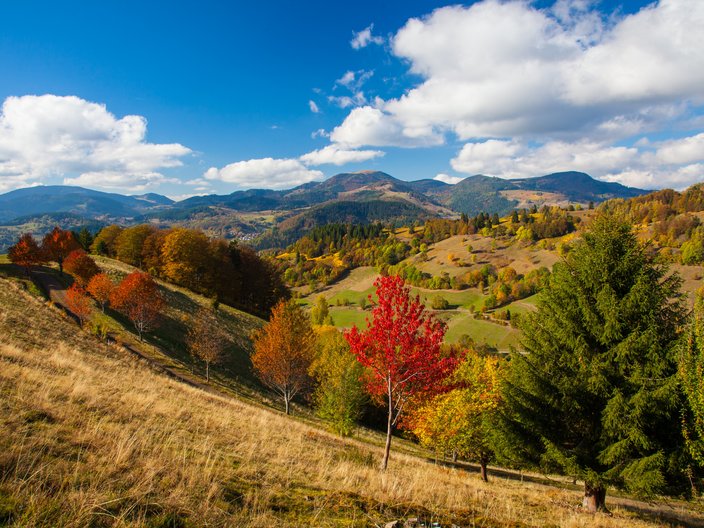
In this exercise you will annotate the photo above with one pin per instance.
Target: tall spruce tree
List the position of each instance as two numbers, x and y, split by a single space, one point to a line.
594 392
691 370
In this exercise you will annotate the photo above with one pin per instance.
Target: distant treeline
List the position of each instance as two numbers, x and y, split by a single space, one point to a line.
534 224
348 245
225 270
677 230
361 213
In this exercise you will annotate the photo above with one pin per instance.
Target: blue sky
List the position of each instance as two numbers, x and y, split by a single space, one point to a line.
186 98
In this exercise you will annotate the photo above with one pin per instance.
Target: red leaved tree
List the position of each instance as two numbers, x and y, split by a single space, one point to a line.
78 303
101 287
401 350
58 244
81 266
26 252
137 296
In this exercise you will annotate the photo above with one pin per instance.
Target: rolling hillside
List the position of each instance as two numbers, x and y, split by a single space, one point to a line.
92 437
87 203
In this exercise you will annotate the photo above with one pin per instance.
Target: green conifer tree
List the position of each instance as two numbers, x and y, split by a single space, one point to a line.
691 370
594 392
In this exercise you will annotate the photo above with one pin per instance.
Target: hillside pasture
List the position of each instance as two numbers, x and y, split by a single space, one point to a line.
91 437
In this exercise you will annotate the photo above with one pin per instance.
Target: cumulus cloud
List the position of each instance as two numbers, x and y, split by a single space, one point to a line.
363 38
508 69
313 107
367 125
674 163
334 155
533 90
47 136
446 178
266 173
685 150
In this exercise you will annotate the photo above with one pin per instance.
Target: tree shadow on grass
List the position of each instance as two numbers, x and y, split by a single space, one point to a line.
675 516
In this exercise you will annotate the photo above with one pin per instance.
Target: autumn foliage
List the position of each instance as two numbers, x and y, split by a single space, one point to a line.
401 350
26 252
205 340
58 244
101 287
232 273
460 420
81 266
78 303
138 298
284 351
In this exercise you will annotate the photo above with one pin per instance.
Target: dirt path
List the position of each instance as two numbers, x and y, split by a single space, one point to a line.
51 286
55 290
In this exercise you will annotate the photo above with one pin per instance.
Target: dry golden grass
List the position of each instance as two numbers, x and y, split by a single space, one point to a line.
91 437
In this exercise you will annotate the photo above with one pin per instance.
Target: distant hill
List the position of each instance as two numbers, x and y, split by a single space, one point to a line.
77 200
498 195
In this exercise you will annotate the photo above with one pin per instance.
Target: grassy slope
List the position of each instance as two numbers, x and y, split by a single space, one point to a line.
93 438
170 337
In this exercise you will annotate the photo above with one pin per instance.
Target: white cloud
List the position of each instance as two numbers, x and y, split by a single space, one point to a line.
313 107
446 178
685 150
321 132
370 126
48 136
500 69
347 79
509 159
265 173
347 101
674 163
334 155
365 37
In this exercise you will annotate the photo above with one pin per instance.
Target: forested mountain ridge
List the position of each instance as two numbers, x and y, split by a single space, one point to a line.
357 186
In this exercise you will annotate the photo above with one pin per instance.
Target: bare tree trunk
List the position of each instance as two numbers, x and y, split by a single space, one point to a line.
207 371
389 427
482 469
594 498
287 404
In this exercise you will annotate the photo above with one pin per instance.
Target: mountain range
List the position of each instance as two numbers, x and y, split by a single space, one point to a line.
431 197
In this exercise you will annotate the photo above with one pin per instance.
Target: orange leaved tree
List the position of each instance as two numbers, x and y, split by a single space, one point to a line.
137 296
81 266
401 350
58 244
284 350
100 286
78 303
26 252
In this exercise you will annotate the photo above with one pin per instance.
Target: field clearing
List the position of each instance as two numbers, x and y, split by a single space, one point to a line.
348 317
494 334
447 256
345 309
91 437
470 297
